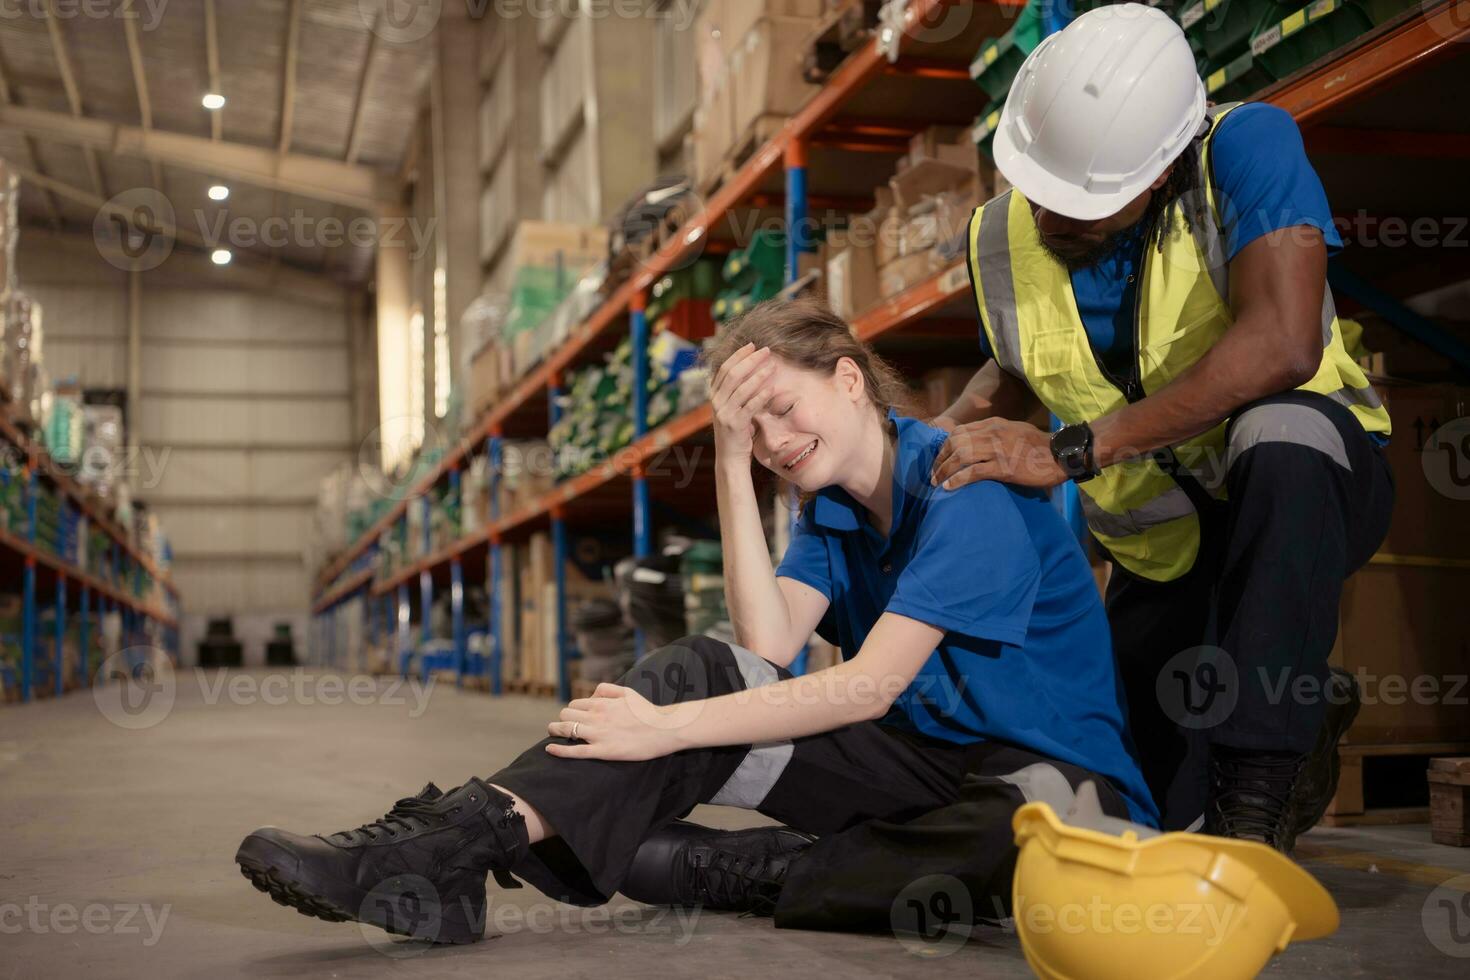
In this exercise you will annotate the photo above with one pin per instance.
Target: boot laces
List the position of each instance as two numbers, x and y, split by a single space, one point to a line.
731 880
1252 795
407 815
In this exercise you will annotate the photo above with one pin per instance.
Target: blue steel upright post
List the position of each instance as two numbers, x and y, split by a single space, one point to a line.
494 448
28 609
456 591
405 640
60 633
559 561
642 507
799 239
84 668
426 579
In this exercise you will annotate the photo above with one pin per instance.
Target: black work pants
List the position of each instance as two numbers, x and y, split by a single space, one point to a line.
900 815
1234 653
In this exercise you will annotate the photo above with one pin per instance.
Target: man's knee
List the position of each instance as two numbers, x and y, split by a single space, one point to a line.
1296 425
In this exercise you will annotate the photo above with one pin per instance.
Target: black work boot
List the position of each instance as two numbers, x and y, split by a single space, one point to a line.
727 870
1251 796
418 872
1317 784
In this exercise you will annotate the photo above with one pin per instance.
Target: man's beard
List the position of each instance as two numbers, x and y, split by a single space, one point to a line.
1088 257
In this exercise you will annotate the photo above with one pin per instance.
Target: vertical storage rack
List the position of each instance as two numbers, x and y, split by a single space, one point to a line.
115 577
1341 101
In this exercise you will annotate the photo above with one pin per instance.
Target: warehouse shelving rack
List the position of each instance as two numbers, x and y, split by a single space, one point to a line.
935 311
35 571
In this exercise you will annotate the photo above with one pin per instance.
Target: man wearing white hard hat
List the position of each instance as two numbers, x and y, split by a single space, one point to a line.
1156 278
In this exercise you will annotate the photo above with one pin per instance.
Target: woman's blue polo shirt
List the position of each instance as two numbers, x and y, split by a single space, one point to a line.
1027 656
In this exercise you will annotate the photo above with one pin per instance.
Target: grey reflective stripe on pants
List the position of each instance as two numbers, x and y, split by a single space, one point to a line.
764 763
1285 422
993 260
1042 782
1170 505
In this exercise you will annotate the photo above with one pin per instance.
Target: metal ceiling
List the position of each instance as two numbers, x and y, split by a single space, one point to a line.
306 79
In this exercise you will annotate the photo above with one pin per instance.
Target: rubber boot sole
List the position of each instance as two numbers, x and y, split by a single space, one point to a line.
394 905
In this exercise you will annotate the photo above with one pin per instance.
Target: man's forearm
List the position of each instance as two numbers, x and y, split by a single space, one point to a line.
990 393
1238 370
832 698
757 608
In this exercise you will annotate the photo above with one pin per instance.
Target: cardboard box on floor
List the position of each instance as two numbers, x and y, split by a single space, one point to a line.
1399 625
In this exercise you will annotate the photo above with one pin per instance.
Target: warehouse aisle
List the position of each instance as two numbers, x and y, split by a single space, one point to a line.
118 847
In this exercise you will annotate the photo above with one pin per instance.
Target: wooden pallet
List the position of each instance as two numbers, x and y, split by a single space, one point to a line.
761 129
1348 808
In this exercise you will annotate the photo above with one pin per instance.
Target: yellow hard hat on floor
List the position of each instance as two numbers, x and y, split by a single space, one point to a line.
1095 897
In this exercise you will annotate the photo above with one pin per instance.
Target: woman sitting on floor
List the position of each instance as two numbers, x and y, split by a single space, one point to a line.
977 674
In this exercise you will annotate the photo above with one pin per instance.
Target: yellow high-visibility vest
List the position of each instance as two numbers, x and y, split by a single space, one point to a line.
1136 510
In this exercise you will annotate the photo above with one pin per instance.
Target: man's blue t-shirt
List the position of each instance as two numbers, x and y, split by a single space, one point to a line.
1264 182
1027 655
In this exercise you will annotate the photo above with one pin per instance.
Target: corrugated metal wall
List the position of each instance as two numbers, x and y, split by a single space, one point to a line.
246 402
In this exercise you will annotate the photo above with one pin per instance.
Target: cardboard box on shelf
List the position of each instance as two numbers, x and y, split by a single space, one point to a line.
906 271
930 178
765 71
851 274
738 17
941 387
949 145
484 383
1431 514
713 130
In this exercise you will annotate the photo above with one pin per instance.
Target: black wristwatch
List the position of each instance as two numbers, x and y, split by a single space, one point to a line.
1071 445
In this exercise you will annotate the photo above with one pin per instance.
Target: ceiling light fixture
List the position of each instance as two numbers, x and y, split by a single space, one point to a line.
221 256
218 192
212 101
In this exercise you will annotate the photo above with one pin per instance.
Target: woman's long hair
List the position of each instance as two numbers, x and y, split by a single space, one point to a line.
806 333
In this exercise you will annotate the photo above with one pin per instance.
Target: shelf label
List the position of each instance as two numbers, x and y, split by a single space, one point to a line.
1322 8
991 53
954 279
1216 79
1294 23
1266 40
1191 16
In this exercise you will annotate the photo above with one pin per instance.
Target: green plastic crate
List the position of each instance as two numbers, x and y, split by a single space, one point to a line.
1221 29
1305 35
983 132
998 59
1238 79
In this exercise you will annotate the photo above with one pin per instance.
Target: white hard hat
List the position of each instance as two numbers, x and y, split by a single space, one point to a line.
1099 110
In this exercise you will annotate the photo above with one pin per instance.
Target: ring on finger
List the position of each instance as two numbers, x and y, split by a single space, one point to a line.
574 730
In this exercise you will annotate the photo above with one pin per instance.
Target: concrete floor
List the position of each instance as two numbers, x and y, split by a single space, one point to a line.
118 829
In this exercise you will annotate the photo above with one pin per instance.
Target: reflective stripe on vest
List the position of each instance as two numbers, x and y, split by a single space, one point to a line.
1029 314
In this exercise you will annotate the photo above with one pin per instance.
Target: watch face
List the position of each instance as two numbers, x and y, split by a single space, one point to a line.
1072 439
